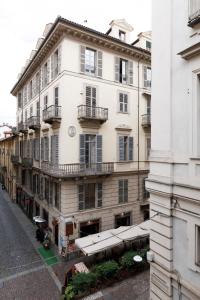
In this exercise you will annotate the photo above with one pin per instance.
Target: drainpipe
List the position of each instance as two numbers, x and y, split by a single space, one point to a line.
138 130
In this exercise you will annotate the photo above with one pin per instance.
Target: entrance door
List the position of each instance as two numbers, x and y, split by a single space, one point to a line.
90 227
56 230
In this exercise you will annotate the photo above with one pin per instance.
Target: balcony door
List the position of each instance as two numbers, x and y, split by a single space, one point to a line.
90 101
90 150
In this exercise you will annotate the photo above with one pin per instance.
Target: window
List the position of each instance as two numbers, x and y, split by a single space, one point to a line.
90 149
147 77
45 102
56 96
45 74
25 94
90 58
26 115
30 90
38 109
125 148
122 35
19 98
56 63
91 61
45 148
123 190
123 70
37 83
36 148
148 147
197 245
90 195
123 103
148 45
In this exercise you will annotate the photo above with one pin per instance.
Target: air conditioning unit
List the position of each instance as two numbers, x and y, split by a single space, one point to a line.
150 256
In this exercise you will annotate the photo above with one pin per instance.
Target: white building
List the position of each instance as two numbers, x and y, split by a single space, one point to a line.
84 117
175 157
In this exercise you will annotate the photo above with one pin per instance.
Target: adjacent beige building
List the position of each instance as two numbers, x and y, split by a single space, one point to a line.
84 119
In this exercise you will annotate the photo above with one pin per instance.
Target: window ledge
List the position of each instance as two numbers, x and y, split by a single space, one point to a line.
194 21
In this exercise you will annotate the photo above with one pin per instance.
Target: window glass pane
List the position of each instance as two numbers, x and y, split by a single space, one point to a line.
90 61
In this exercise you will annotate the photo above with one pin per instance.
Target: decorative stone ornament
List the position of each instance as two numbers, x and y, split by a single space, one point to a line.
72 131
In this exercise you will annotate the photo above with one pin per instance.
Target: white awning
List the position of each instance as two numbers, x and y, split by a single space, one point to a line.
104 240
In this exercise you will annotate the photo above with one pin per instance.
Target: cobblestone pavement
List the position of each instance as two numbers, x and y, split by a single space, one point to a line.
23 274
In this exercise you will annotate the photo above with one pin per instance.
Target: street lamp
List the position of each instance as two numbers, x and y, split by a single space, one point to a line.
137 258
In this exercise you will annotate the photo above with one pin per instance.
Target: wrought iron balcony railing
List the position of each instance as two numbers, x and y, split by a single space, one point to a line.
146 120
34 122
27 162
52 114
77 170
86 112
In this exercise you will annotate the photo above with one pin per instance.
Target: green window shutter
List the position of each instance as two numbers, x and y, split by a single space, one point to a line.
99 63
145 75
117 68
81 203
120 191
125 190
82 59
130 149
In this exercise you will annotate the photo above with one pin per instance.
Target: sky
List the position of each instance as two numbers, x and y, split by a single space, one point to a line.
22 22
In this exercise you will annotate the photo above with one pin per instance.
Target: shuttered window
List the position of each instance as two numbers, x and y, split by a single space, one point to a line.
91 61
45 78
91 95
90 149
45 101
125 148
25 94
42 148
147 76
56 96
123 70
123 102
54 149
57 195
37 83
148 147
90 195
46 148
19 99
123 190
36 148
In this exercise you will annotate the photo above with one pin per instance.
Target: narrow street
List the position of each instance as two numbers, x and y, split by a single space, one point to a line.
23 275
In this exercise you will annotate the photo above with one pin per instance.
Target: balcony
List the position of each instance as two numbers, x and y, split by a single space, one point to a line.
78 170
34 123
15 159
22 127
194 13
146 121
27 162
90 115
52 114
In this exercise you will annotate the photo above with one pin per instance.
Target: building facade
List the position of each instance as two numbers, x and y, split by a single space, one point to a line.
84 129
175 158
7 164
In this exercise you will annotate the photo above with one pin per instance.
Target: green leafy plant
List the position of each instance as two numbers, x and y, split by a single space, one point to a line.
81 282
127 261
69 292
107 269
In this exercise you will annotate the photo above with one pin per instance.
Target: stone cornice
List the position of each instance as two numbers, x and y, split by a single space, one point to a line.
64 28
190 52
